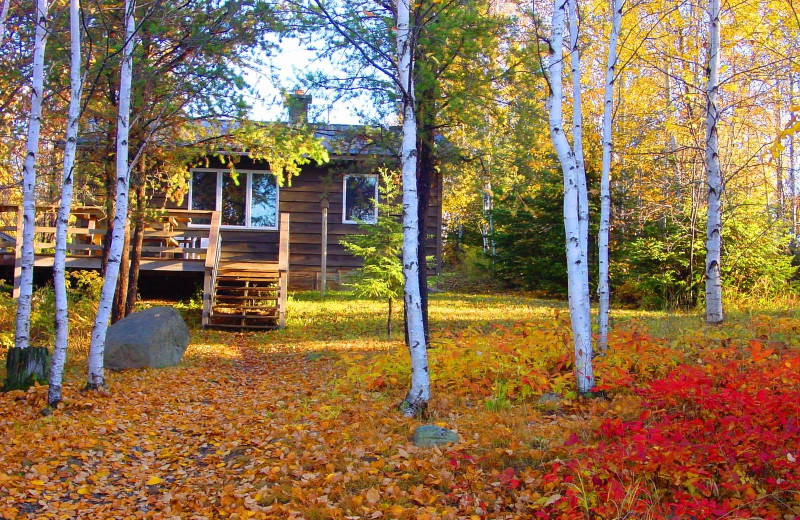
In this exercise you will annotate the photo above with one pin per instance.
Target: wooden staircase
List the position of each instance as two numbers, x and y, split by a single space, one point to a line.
246 294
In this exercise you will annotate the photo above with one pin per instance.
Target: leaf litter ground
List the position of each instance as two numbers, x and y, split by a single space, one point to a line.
302 423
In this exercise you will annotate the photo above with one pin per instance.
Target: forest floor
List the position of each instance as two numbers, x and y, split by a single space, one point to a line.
691 422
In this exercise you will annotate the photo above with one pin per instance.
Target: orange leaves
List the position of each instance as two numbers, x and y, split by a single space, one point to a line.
757 352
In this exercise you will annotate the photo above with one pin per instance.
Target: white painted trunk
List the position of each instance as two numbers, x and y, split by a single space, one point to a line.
578 294
59 280
714 175
97 347
23 318
416 400
4 19
605 180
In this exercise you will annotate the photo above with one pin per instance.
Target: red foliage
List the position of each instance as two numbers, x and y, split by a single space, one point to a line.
717 439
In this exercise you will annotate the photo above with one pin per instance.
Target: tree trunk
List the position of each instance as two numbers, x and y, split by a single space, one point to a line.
3 19
714 312
425 172
25 367
792 174
578 301
416 401
111 209
59 278
577 138
96 376
605 180
23 318
136 244
389 321
121 293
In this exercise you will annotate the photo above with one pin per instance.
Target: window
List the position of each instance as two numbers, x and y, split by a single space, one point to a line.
252 202
359 199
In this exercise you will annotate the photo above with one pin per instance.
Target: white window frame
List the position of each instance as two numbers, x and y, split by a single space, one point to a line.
248 179
345 220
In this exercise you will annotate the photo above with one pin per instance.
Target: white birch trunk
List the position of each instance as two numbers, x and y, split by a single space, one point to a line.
416 400
714 175
577 136
97 347
23 318
605 180
59 280
3 19
792 166
578 294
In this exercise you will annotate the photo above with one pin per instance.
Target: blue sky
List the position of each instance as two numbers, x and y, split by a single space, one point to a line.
294 59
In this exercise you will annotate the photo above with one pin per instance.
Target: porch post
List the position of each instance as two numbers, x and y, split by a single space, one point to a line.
324 267
283 269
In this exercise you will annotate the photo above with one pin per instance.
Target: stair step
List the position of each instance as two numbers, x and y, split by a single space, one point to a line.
272 316
252 289
234 306
238 326
231 297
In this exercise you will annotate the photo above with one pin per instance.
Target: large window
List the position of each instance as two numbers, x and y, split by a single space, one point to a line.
360 193
248 199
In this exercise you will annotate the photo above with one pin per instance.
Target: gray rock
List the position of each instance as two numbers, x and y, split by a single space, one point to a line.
549 401
429 435
155 337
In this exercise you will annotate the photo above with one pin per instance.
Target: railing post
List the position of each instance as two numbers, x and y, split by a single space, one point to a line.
18 252
324 260
283 269
212 260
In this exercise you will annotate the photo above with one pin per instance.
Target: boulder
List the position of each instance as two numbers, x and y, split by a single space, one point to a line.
429 435
155 337
549 402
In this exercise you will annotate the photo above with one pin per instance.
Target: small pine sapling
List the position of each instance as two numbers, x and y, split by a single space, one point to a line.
380 246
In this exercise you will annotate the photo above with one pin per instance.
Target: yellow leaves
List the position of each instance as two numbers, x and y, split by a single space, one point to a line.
37 482
83 490
152 481
373 496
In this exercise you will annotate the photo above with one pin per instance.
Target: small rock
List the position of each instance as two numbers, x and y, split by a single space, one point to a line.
429 435
549 401
47 411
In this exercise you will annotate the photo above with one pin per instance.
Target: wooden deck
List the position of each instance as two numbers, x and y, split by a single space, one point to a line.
236 294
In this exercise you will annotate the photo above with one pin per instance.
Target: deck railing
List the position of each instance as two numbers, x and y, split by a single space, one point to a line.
211 266
171 242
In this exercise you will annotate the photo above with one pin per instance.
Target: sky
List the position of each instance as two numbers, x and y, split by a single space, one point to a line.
292 60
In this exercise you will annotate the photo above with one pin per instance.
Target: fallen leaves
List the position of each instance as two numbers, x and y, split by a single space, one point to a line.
250 427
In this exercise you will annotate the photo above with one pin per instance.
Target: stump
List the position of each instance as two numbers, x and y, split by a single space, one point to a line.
26 366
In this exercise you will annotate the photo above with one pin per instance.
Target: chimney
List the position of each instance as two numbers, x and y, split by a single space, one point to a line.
298 104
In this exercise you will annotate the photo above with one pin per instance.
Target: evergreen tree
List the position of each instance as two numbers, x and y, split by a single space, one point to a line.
380 245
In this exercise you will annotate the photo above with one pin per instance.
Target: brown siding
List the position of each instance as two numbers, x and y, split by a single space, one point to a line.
301 198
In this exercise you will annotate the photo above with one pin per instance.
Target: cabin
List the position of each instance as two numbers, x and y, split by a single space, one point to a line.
249 240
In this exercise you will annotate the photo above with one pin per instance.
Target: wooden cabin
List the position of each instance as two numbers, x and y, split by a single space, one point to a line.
250 241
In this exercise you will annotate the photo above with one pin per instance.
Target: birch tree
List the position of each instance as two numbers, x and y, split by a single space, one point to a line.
577 271
416 400
3 19
67 183
713 172
22 332
605 178
96 378
23 364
